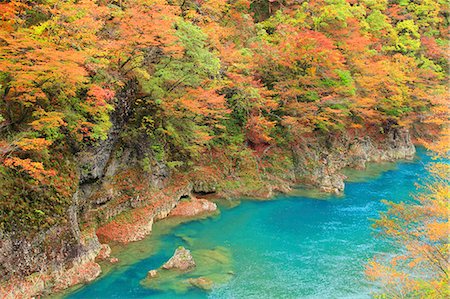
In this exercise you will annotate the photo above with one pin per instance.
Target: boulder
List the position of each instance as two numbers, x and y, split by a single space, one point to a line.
113 260
181 260
203 283
152 273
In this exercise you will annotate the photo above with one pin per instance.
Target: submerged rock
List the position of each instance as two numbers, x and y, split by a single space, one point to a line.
213 267
181 260
186 239
203 283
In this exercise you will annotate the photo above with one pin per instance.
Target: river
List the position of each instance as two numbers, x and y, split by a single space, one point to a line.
295 246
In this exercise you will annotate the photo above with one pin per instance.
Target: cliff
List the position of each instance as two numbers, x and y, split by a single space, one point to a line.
318 164
118 201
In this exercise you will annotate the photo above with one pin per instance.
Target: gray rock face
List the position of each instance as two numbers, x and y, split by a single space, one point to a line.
47 251
206 185
319 163
63 246
181 260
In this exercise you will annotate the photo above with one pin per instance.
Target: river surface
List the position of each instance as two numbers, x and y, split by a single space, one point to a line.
295 246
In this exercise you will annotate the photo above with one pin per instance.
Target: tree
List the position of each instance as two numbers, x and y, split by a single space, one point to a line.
47 100
419 264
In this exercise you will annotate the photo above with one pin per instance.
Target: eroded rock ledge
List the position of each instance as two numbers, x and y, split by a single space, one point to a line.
319 164
193 207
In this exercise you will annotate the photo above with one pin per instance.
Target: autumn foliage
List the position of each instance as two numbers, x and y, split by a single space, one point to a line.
231 86
221 77
419 231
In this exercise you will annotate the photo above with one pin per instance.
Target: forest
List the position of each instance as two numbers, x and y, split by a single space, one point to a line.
230 87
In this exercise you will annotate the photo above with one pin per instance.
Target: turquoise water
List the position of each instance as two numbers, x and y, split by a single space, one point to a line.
291 247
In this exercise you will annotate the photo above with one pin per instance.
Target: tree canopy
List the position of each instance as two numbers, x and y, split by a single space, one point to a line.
212 75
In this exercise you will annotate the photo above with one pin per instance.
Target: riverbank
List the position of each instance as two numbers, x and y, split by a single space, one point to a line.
124 204
296 241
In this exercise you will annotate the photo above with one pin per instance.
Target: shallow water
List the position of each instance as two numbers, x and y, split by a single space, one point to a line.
292 247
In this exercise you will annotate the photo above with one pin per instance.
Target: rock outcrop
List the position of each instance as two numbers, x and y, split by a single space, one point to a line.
35 265
204 185
137 223
193 207
113 260
319 163
105 252
213 267
181 260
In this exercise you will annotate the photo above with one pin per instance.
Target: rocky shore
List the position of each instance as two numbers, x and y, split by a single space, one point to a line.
320 164
117 202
